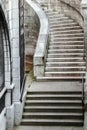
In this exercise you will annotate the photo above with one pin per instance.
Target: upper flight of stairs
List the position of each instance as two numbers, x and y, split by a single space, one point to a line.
66 48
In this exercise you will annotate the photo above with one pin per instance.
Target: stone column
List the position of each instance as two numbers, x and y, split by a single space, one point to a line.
14 38
84 11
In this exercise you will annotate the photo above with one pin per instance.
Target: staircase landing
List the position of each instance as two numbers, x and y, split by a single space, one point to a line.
56 86
46 128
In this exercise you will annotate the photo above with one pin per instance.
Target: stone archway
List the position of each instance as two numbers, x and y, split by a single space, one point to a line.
5 53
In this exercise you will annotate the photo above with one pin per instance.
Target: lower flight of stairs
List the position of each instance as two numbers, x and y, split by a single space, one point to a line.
53 108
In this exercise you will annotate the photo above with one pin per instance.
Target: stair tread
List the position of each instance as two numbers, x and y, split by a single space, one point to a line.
53 113
50 58
58 45
58 24
57 54
51 120
53 107
53 95
54 101
72 34
59 77
66 72
67 42
67 27
79 62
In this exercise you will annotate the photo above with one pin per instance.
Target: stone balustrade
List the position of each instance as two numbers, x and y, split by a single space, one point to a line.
40 52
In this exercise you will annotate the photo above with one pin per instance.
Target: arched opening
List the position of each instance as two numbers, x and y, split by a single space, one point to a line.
5 53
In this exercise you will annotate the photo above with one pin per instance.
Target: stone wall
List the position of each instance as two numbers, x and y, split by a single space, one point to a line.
31 31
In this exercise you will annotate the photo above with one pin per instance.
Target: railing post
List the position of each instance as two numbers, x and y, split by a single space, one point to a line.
84 11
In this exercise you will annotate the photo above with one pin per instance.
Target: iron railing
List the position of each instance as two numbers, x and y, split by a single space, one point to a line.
2 99
22 88
21 41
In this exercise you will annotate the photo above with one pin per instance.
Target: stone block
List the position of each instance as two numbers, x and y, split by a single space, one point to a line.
38 71
17 112
10 117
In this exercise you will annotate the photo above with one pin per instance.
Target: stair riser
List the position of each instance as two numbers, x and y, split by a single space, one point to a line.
65 51
53 117
54 110
65 47
67 39
65 69
63 25
64 75
68 35
54 92
53 98
64 43
64 60
52 123
61 65
65 55
58 18
53 104
64 28
67 32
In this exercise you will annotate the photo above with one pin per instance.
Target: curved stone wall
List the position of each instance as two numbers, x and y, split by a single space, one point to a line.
40 51
73 10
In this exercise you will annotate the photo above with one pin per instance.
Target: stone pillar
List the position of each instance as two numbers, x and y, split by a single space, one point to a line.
14 38
84 11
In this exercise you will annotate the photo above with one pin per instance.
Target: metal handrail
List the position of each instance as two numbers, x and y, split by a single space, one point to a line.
22 89
83 80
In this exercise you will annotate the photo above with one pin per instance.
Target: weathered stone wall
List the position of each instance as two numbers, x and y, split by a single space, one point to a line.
31 31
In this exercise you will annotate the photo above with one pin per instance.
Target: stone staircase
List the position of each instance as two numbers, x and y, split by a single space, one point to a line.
66 49
60 106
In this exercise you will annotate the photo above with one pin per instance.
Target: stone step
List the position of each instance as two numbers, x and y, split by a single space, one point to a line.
63 24
53 97
54 122
64 59
65 46
67 35
59 18
56 78
66 38
63 68
52 115
67 42
55 109
67 31
53 23
54 92
53 103
66 50
65 28
55 15
65 73
55 55
79 62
